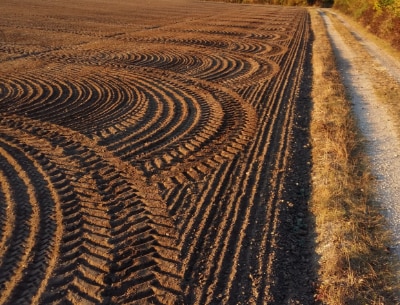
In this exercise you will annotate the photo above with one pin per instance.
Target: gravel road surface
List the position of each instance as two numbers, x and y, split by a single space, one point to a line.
375 122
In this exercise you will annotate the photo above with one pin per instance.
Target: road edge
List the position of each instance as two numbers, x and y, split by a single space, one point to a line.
355 264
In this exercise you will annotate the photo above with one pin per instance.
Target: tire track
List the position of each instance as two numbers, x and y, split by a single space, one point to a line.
225 67
97 252
34 236
152 155
249 274
67 102
228 213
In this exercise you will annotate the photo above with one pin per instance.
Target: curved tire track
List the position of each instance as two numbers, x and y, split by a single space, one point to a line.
147 164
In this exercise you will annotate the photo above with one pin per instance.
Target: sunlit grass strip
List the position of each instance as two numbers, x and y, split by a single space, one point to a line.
356 265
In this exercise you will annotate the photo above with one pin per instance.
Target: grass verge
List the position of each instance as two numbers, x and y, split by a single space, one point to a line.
356 264
386 88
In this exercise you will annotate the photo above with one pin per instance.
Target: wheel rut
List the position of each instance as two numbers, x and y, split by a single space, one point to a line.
148 160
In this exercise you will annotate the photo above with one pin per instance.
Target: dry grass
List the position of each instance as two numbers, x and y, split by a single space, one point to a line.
386 88
356 265
272 2
384 44
381 17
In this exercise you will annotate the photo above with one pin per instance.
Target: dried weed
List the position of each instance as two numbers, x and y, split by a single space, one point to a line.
356 265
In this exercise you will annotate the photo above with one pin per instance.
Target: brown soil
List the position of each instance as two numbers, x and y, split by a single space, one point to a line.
154 152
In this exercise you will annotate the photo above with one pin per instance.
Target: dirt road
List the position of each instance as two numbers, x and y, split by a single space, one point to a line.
364 66
154 152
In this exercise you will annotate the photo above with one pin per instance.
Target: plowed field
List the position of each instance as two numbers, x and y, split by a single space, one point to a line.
154 152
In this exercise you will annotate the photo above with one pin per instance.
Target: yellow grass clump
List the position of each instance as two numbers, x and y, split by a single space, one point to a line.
356 264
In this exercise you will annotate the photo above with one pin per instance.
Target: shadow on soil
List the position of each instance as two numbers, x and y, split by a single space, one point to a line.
296 266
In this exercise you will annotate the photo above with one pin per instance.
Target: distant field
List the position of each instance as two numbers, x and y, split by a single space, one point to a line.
154 152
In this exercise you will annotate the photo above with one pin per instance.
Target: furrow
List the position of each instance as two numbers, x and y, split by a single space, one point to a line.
147 153
7 216
44 229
